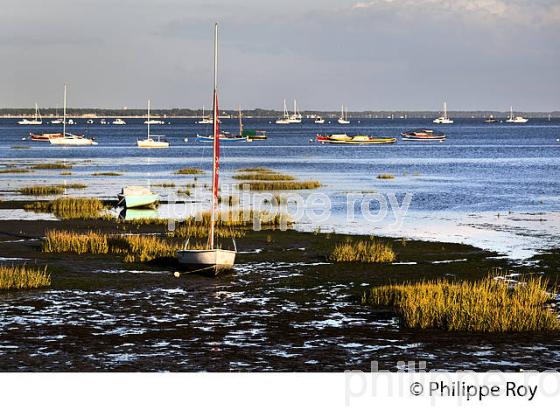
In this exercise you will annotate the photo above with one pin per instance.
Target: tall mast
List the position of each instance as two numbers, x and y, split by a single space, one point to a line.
240 122
445 109
295 107
64 115
148 122
216 156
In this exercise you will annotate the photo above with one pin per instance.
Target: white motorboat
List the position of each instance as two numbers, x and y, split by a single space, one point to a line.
149 142
517 119
119 121
343 117
444 119
319 120
37 120
213 259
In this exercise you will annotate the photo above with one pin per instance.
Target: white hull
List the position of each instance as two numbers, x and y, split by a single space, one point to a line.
30 122
118 121
343 122
150 143
517 120
154 122
319 121
72 141
443 120
210 260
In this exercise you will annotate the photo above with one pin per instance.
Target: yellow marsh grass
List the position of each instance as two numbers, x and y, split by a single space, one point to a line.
189 171
364 251
165 185
229 200
69 208
185 192
255 169
487 305
279 185
23 277
49 189
42 190
55 165
226 221
65 173
106 174
134 248
385 176
14 171
266 176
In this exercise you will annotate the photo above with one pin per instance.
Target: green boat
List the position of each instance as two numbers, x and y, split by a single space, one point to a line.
137 197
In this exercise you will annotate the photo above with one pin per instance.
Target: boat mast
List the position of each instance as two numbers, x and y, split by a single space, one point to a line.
64 114
148 122
445 109
286 115
216 156
240 122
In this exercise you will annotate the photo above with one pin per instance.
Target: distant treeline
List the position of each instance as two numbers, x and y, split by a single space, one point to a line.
262 113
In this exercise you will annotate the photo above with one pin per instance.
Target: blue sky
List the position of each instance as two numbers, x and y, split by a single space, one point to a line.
378 54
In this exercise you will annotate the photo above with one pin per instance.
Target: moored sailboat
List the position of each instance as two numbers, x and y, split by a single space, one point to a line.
149 142
343 117
37 120
444 119
517 119
212 258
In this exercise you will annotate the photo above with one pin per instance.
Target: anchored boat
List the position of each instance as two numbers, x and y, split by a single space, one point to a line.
37 120
355 140
444 119
423 135
212 259
149 142
517 119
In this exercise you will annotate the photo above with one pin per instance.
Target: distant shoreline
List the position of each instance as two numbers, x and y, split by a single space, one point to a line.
98 113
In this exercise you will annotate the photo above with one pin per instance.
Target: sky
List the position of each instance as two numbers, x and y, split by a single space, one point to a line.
367 55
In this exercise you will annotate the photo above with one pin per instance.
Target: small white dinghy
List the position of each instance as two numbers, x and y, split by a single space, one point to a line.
213 259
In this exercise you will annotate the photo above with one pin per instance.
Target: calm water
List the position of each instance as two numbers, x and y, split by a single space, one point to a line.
262 317
496 186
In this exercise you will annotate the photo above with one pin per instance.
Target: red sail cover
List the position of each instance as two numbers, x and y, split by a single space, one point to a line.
216 149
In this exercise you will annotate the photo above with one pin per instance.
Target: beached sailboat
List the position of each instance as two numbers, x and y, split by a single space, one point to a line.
69 139
343 117
444 119
37 120
517 119
137 197
149 142
211 259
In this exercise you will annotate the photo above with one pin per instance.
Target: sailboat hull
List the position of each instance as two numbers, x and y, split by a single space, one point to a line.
206 260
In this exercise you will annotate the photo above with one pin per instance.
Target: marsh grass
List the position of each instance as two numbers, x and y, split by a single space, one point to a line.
39 190
69 208
57 189
487 305
14 171
20 147
52 165
65 173
165 185
255 169
133 248
23 277
229 200
189 171
185 192
106 174
385 176
363 251
266 176
279 185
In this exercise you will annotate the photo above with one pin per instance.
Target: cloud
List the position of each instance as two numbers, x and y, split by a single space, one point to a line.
526 12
